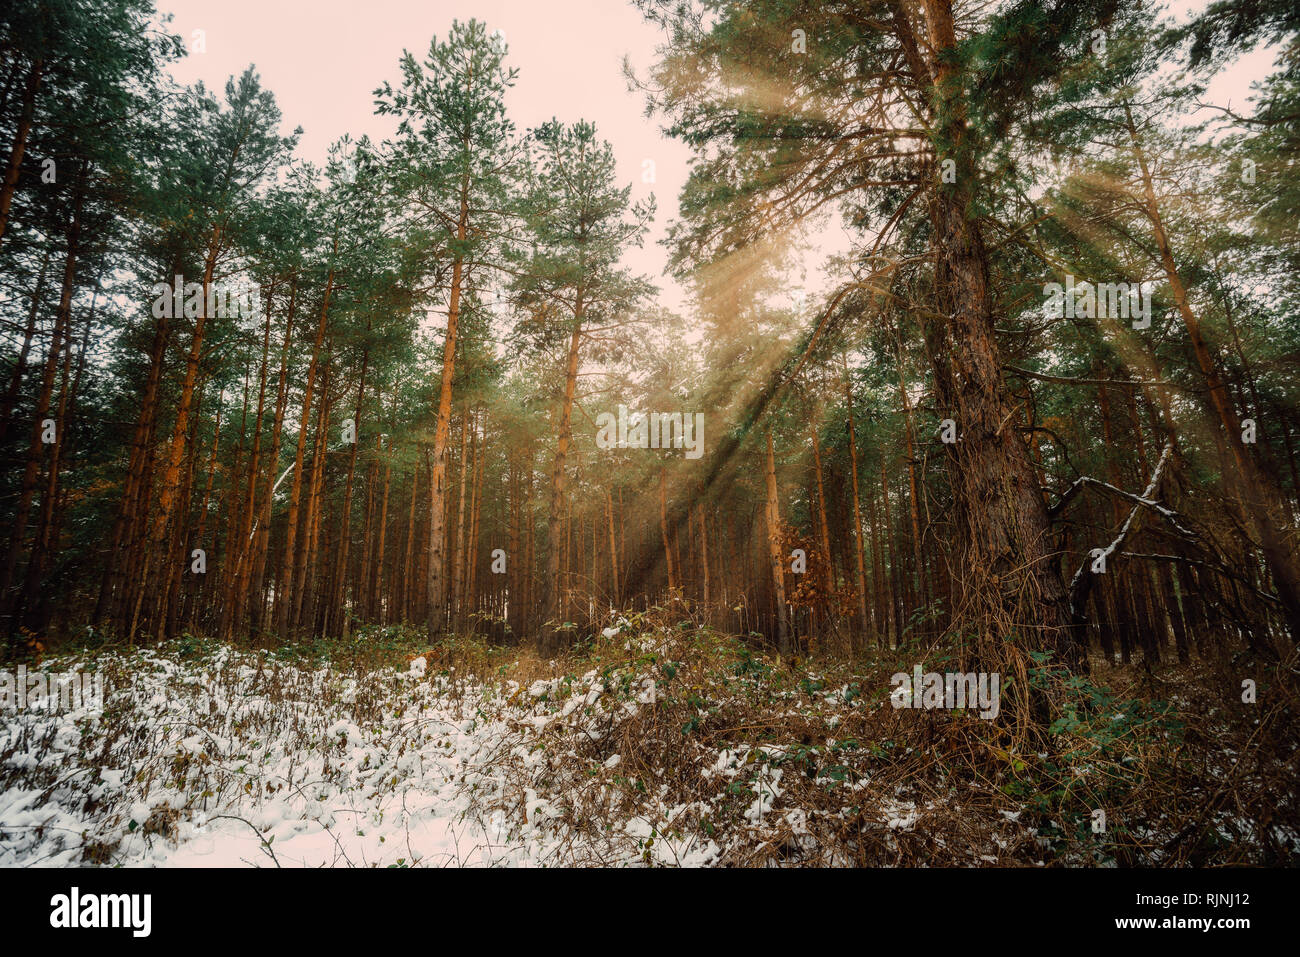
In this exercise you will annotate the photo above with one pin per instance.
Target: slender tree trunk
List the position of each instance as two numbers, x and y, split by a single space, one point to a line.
613 554
861 588
377 586
883 607
914 496
284 586
199 540
232 606
43 544
438 476
302 609
337 623
36 447
262 539
822 526
704 557
20 364
774 551
476 508
404 607
663 530
19 145
458 559
554 609
1262 504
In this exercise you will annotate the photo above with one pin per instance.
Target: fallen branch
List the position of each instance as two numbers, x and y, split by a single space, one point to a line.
1081 583
1139 501
1071 380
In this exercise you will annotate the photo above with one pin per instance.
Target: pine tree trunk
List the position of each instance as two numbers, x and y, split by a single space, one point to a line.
374 611
774 551
458 560
336 622
861 589
262 542
168 499
404 605
20 364
1262 503
1001 513
35 447
302 609
232 605
476 509
914 496
438 477
663 530
554 607
43 544
284 585
18 147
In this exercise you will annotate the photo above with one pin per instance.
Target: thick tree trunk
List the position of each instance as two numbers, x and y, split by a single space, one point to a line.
169 496
1015 585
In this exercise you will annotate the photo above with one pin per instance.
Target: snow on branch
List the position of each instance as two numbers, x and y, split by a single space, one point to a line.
1081 583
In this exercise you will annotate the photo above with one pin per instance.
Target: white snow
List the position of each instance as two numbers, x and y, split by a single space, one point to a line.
218 766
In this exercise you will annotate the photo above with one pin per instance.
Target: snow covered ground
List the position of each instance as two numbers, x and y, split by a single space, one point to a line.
242 760
235 758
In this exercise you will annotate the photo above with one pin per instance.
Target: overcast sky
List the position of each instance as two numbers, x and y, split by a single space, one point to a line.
323 58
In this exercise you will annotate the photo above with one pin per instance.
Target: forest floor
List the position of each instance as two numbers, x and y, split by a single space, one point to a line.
651 744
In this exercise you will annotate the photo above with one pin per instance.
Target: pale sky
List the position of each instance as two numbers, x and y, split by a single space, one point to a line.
323 58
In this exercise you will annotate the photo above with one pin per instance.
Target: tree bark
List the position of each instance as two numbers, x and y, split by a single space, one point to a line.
774 551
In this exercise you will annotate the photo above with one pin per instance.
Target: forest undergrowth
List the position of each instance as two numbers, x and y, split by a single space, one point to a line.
655 741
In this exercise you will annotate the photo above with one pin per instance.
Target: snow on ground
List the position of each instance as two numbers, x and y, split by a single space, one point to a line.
242 760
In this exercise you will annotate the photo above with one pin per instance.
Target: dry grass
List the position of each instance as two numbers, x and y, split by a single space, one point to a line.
740 758
1185 772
